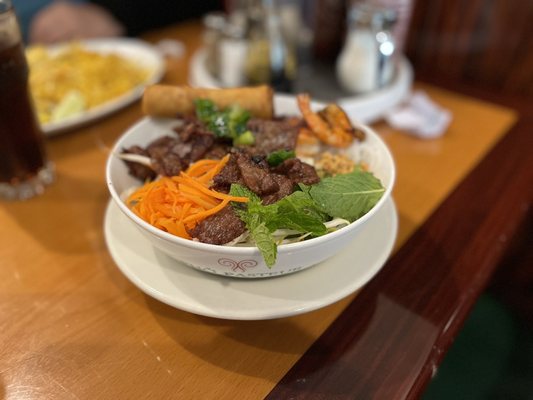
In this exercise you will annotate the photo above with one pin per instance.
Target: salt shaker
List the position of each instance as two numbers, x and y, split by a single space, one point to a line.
366 61
233 48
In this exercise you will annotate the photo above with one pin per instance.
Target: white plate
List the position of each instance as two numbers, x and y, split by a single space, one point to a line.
365 108
185 288
138 51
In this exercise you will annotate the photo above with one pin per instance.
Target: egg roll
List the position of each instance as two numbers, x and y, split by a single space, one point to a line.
170 101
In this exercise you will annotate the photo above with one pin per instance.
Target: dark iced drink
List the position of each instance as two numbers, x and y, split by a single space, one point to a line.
24 170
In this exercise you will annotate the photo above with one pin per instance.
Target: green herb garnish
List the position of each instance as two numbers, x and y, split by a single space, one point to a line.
296 212
229 123
299 212
277 157
244 139
348 196
255 215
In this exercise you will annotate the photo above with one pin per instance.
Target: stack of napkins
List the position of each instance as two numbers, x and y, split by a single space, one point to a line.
420 116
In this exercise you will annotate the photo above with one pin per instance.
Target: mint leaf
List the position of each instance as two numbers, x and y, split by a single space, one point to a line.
242 191
262 238
297 212
300 213
255 215
301 201
348 196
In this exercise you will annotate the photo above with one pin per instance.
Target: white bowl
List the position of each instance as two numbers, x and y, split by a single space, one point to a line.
246 262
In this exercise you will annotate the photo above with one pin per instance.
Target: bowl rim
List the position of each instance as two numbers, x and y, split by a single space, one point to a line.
239 250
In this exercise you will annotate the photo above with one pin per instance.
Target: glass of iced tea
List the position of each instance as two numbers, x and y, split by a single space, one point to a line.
24 168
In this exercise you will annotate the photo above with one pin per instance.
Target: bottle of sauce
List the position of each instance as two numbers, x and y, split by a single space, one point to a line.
214 24
270 60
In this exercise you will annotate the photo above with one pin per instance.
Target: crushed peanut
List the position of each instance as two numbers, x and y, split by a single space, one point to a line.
329 164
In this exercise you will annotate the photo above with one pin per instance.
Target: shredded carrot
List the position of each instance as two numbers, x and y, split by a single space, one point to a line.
187 180
201 167
176 204
205 170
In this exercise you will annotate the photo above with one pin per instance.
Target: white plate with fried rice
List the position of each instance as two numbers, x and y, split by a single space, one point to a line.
68 97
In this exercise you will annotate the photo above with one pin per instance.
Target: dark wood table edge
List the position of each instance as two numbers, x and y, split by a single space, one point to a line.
474 227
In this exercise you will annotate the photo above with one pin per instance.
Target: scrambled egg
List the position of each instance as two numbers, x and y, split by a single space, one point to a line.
75 79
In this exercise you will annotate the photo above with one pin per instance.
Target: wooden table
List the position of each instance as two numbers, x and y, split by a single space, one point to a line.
72 326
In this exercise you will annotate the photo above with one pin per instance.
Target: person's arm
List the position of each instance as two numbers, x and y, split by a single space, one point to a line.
68 20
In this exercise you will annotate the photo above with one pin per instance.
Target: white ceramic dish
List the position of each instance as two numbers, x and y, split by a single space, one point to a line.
365 108
138 51
248 260
179 286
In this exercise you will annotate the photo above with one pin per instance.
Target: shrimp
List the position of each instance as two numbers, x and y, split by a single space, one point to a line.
333 134
336 116
307 138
